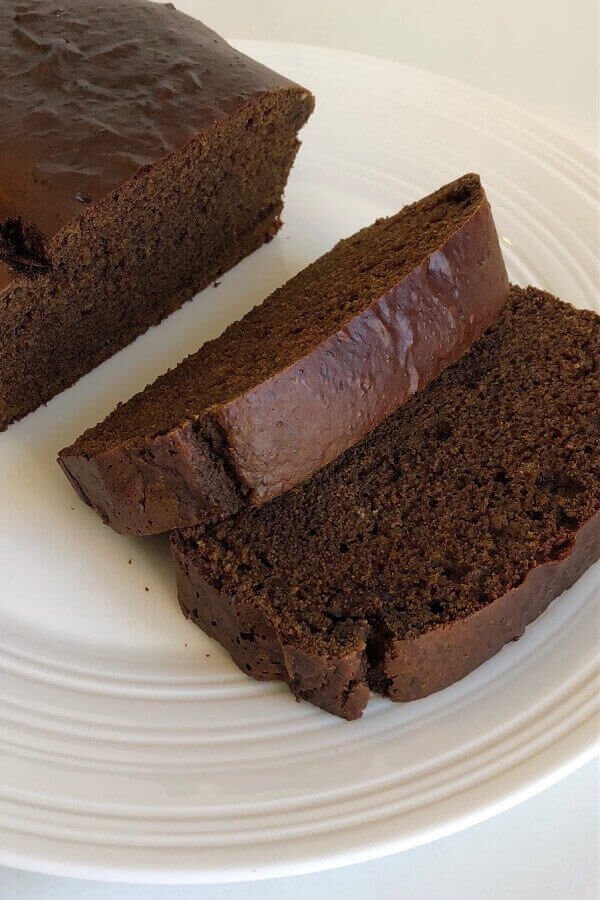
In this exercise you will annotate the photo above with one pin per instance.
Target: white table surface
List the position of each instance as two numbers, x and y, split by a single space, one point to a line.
543 55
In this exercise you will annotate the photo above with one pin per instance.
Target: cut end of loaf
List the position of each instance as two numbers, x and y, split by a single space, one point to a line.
137 256
142 157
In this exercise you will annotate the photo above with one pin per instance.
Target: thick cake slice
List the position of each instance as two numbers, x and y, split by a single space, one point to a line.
302 377
418 554
140 157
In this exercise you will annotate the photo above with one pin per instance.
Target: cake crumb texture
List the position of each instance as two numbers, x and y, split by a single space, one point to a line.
422 550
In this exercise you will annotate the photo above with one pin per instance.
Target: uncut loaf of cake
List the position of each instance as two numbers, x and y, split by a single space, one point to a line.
302 377
140 157
414 557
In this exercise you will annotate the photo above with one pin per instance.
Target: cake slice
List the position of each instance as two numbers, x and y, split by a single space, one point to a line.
414 557
302 377
140 157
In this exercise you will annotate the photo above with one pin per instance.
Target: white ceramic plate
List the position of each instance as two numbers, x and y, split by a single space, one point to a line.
130 745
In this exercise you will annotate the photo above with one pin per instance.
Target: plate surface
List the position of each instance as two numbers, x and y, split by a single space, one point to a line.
130 746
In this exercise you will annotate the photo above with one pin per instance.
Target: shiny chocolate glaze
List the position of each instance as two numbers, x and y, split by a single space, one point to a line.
92 92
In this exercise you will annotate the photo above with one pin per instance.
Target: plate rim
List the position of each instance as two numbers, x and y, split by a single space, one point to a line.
589 749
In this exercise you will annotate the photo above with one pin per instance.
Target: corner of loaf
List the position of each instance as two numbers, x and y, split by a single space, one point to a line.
148 486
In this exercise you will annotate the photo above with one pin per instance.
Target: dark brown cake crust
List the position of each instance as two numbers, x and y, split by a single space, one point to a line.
95 90
411 668
420 552
140 157
276 432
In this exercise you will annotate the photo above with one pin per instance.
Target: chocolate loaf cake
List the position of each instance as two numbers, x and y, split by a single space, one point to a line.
302 377
140 157
414 557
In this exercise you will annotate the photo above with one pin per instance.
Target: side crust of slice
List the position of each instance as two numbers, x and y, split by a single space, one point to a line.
404 669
